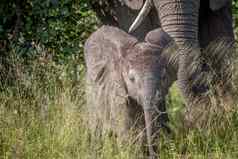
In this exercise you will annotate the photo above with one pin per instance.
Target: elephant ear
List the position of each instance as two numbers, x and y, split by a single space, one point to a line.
103 50
158 37
134 4
119 39
168 48
218 4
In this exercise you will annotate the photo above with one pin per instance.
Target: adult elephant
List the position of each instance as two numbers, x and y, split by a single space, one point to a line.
201 20
193 21
193 24
189 22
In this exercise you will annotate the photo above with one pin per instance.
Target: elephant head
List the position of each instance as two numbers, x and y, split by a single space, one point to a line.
148 74
180 19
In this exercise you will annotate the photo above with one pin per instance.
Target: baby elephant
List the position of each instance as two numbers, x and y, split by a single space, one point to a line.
127 81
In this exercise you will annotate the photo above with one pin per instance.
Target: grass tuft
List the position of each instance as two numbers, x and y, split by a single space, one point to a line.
41 117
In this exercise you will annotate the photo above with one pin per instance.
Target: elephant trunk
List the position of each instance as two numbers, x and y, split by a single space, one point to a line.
155 116
179 18
149 122
155 119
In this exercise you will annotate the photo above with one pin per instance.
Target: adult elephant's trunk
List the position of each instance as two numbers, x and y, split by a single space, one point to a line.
179 18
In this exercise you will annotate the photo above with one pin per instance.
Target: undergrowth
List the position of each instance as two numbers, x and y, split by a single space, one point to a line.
41 117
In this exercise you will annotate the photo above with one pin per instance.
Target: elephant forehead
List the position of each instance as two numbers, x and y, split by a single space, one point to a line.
145 62
144 57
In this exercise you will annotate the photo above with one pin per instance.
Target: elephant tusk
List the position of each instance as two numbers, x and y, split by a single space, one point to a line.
141 16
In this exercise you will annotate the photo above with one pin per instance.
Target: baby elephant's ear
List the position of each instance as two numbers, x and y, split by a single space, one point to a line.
104 48
118 39
161 39
158 37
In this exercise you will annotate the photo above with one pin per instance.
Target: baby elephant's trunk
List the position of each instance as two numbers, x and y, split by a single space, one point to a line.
153 123
154 110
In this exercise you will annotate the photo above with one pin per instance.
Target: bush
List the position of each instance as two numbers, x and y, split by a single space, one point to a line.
60 25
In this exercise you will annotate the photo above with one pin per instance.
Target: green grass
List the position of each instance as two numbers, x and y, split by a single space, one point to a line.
41 118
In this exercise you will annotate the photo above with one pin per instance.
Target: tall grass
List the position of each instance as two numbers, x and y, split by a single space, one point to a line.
41 117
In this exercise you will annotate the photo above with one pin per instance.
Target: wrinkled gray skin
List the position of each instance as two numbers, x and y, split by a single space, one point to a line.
212 18
127 81
192 23
182 20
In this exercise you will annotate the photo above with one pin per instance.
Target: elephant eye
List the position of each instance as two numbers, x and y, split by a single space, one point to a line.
131 78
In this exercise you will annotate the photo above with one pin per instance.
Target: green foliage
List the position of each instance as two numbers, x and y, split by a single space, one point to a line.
41 116
60 25
235 15
235 8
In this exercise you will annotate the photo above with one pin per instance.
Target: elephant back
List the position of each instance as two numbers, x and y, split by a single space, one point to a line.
104 49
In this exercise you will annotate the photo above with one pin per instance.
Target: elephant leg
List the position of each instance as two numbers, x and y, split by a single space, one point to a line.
213 25
194 72
218 24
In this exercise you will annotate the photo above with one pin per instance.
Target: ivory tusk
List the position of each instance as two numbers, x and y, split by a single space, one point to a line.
141 16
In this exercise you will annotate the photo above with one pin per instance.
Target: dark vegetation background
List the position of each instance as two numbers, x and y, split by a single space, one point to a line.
42 90
61 26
